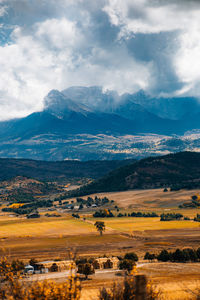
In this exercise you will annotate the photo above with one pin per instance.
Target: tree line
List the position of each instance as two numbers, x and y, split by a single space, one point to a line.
178 255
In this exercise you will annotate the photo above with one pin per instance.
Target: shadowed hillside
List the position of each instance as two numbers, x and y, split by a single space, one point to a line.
56 171
180 170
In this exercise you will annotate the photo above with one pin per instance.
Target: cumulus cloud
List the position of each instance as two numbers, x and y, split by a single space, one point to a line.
170 34
122 45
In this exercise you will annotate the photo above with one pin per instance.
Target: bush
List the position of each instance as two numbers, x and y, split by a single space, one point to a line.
106 213
120 215
197 218
76 216
15 288
133 287
143 215
170 217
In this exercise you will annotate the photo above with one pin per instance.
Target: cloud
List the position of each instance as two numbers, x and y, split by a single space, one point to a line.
168 34
122 45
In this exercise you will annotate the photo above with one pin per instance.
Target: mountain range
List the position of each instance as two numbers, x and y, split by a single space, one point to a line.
81 122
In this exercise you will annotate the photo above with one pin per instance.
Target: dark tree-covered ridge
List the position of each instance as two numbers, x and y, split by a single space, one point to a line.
179 170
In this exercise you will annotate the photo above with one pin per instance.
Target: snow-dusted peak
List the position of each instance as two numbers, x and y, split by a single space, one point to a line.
60 105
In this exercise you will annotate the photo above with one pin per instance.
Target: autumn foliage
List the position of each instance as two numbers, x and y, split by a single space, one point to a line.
13 287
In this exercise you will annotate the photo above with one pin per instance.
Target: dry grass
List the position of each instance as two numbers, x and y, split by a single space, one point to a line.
175 280
14 227
149 199
129 224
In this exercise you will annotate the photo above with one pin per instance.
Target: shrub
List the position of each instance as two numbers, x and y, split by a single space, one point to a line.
133 287
170 217
76 216
15 288
120 215
106 213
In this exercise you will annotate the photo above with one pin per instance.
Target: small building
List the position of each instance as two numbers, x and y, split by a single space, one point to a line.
29 269
106 263
55 266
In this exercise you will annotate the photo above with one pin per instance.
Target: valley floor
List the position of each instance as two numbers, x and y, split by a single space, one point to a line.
50 238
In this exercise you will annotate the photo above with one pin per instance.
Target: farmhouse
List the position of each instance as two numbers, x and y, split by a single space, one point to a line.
106 263
54 266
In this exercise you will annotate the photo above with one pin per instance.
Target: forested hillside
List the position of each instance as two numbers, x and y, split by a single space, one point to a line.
180 170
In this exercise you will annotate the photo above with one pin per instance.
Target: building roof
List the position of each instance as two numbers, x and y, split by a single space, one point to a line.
54 262
104 259
29 267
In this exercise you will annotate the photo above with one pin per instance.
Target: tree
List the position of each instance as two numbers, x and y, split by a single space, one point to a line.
198 253
149 256
192 254
86 269
178 256
132 256
108 264
100 226
54 267
163 256
126 264
81 206
33 262
132 287
17 265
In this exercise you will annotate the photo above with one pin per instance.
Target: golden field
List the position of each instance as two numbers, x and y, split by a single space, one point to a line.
49 238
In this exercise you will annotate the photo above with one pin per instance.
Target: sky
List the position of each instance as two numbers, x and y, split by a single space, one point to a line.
122 45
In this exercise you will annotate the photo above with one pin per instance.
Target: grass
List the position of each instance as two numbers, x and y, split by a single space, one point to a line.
44 227
49 236
149 199
47 248
129 224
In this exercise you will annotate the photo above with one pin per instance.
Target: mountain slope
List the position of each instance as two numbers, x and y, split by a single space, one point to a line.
181 170
57 104
175 108
87 123
56 171
62 116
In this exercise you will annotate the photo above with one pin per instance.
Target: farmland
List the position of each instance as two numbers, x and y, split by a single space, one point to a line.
47 238
138 233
